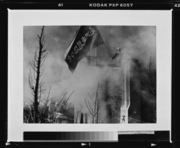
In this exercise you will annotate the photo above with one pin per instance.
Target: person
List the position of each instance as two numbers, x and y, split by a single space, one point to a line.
118 51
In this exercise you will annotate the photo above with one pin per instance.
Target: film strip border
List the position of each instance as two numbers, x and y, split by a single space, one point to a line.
134 5
71 136
160 136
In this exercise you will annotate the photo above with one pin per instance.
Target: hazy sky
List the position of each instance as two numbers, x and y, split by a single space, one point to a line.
137 41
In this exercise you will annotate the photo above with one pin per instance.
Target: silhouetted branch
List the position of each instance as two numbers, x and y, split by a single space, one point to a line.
89 107
69 96
42 72
39 59
150 75
49 92
91 98
94 111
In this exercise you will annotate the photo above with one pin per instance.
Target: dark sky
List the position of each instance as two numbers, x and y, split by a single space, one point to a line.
135 41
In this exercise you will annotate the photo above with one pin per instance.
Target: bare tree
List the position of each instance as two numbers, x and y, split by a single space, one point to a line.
76 118
94 110
35 82
152 86
152 78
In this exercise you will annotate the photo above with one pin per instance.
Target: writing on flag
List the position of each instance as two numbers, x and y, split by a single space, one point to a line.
87 37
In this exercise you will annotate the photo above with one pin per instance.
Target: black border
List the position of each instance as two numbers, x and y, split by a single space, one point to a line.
175 79
53 5
149 5
3 80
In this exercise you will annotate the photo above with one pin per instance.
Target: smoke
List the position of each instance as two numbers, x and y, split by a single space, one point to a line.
83 82
136 42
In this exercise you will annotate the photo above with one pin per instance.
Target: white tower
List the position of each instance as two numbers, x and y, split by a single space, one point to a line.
126 91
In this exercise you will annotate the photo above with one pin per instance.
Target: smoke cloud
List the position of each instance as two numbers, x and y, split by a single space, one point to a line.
136 42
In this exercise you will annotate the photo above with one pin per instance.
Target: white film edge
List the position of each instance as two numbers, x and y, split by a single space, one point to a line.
21 21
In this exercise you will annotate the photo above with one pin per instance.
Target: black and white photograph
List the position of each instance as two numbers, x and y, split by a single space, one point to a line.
89 74
89 71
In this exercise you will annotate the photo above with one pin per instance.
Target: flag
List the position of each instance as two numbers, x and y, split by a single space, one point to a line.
86 38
